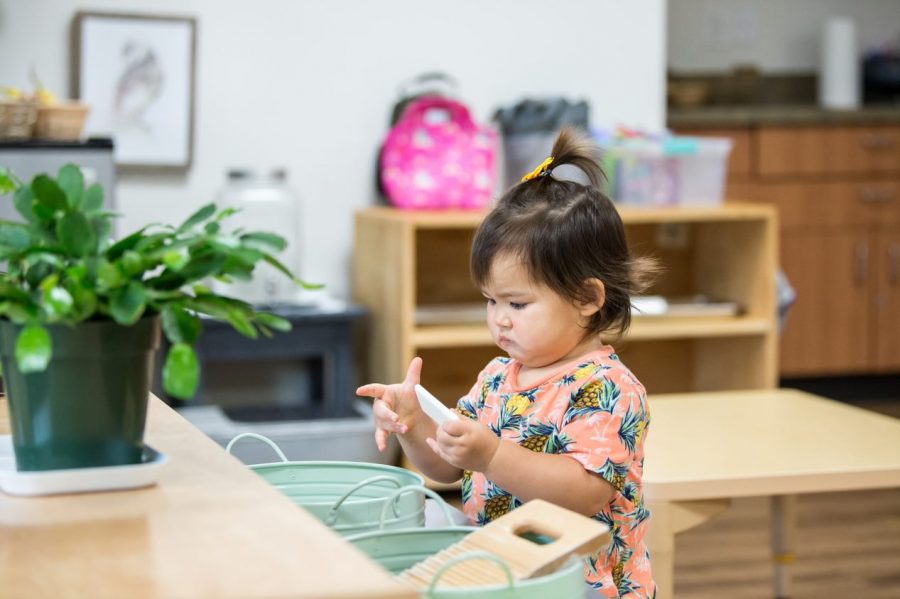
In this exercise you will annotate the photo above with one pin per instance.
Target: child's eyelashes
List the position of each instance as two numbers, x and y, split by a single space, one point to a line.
513 305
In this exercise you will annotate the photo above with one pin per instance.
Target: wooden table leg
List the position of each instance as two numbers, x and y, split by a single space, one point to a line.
784 528
661 543
668 519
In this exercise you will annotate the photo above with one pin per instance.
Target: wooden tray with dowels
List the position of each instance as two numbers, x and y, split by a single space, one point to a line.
533 540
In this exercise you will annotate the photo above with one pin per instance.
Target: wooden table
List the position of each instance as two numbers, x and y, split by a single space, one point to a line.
704 449
210 528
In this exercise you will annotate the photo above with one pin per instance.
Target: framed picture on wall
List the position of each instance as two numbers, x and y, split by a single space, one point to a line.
137 74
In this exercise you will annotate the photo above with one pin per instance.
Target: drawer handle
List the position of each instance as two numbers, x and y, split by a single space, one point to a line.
878 141
894 261
862 261
873 195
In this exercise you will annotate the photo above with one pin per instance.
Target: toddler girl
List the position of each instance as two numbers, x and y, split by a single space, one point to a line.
561 418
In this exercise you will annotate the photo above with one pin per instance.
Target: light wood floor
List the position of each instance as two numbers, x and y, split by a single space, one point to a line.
848 546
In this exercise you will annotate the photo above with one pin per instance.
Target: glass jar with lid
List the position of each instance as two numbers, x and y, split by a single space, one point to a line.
266 203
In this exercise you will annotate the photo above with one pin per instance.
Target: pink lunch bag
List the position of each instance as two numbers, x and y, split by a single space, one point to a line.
436 157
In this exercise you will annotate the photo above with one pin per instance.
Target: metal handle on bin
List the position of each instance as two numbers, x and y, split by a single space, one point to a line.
392 501
265 440
468 557
332 513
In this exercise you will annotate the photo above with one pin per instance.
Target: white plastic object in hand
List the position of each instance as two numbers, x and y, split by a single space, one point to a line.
432 406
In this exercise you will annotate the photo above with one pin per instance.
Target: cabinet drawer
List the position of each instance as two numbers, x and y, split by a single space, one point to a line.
828 150
836 205
826 331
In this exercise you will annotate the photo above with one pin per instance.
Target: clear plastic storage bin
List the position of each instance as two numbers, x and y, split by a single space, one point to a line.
668 171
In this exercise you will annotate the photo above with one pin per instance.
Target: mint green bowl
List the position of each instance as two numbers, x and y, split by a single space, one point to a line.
398 550
347 496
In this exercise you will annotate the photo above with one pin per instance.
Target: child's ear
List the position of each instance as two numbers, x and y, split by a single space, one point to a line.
595 289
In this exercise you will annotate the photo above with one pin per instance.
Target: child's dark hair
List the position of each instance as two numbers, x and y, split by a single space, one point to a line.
566 233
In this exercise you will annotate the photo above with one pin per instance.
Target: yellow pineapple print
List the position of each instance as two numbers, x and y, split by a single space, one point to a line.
497 506
617 573
584 372
639 433
618 482
588 396
517 404
466 413
536 443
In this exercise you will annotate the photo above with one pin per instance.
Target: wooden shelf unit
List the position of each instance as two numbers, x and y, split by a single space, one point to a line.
408 260
404 260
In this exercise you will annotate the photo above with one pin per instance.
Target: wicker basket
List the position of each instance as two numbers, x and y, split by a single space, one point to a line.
63 121
17 118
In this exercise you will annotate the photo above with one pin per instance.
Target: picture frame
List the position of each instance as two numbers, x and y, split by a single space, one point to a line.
137 74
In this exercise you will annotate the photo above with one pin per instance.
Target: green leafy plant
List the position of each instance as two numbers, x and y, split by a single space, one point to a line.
64 268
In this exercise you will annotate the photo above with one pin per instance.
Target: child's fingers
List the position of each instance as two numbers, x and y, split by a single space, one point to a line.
414 372
383 412
386 418
381 439
455 428
371 390
436 448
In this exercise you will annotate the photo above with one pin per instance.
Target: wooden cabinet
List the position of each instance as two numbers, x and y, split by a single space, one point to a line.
885 316
837 191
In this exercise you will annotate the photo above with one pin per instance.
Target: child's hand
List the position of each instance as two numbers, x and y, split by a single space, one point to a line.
466 444
396 407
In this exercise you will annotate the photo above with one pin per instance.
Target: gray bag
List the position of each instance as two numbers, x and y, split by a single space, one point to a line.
529 129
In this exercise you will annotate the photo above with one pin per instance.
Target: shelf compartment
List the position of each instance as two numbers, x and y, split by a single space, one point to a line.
450 372
442 267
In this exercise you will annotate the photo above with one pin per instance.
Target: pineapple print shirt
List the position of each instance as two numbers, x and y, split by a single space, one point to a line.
594 411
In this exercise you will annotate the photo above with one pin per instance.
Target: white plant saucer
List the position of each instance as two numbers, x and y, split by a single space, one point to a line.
77 480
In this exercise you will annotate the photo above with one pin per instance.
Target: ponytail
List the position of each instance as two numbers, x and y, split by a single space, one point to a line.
572 147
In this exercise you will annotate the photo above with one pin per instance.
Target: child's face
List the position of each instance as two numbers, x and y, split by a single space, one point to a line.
530 321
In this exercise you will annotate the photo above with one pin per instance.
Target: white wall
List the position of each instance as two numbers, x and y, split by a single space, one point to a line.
308 85
775 35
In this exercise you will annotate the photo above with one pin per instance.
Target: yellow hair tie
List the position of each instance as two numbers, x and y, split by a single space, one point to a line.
540 170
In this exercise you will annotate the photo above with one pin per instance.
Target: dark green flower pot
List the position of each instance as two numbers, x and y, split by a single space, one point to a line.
89 407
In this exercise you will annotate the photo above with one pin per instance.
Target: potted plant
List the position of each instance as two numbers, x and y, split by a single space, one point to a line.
81 314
